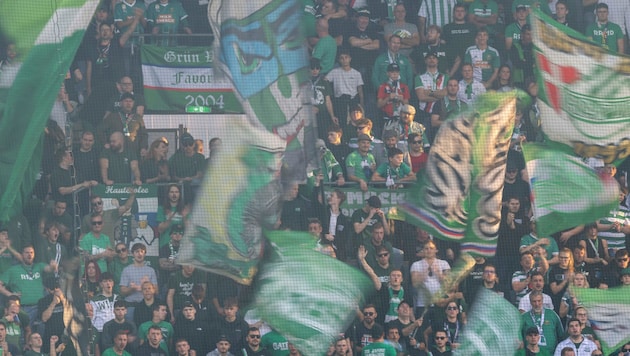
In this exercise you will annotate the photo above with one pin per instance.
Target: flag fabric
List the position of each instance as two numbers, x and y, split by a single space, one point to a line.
584 91
177 78
46 39
559 182
458 195
307 296
493 327
260 49
608 312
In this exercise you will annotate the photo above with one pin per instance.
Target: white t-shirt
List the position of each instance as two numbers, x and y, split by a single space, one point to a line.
432 284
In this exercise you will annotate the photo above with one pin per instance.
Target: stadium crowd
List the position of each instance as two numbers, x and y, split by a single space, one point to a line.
366 56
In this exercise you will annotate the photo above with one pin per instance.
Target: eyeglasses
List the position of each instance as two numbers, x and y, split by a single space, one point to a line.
121 250
368 313
97 203
97 222
622 259
452 308
440 337
383 255
254 336
188 144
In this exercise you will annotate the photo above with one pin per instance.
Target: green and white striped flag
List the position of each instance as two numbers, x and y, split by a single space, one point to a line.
560 183
46 36
308 297
608 312
493 327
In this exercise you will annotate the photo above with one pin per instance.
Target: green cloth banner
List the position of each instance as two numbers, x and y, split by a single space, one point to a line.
46 38
608 312
559 182
458 195
177 78
584 91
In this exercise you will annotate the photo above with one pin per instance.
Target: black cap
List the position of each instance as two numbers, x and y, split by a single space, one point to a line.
393 67
50 283
177 228
374 201
106 276
188 304
127 96
187 139
364 12
315 63
431 54
224 338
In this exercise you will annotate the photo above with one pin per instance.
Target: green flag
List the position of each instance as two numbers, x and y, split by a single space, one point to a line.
493 327
608 312
583 90
458 195
309 297
559 182
46 38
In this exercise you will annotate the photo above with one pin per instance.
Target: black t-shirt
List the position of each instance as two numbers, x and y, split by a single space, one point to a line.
61 178
86 164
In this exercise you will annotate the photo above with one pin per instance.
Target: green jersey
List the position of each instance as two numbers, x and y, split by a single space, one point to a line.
26 280
379 349
93 246
167 333
606 35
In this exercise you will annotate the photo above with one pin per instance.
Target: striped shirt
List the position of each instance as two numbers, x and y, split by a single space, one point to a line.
437 12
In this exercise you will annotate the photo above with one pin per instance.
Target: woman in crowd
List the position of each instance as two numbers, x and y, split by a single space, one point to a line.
173 211
91 279
561 276
154 168
504 81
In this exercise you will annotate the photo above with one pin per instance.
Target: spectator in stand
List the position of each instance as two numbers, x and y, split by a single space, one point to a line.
49 248
430 87
337 146
134 275
252 346
597 256
17 322
504 82
531 347
514 225
484 59
232 325
560 277
59 214
223 347
522 58
329 168
194 330
408 33
154 167
378 346
613 272
326 48
116 325
168 254
522 279
576 341
361 164
395 171
104 66
96 245
130 124
417 157
392 56
390 140
609 35
144 309
537 284
484 14
322 102
434 45
458 36
513 30
434 13
337 15
532 242
101 307
469 87
347 89
9 256
295 210
165 18
131 14
427 276
186 165
91 277
166 329
182 348
119 163
35 343
569 302
180 286
392 96
172 212
50 310
363 41
614 227
154 345
65 182
545 320
120 343
118 263
86 159
450 105
126 85
514 185
7 347
110 216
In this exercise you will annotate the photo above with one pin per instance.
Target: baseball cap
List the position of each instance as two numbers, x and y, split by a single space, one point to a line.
409 109
177 228
223 338
315 63
364 137
127 96
187 139
188 304
374 201
430 54
364 12
393 67
521 7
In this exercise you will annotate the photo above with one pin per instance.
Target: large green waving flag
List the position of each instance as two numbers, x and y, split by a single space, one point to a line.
46 37
584 91
458 195
559 183
608 312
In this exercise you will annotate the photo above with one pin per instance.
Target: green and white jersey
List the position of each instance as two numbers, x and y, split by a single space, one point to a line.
615 239
605 34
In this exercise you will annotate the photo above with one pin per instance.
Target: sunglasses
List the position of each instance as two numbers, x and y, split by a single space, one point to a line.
97 203
451 308
622 259
368 313
440 337
383 255
254 336
121 250
97 223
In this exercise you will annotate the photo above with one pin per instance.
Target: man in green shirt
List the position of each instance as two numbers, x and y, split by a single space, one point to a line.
159 317
35 343
609 35
545 320
120 342
378 345
96 244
